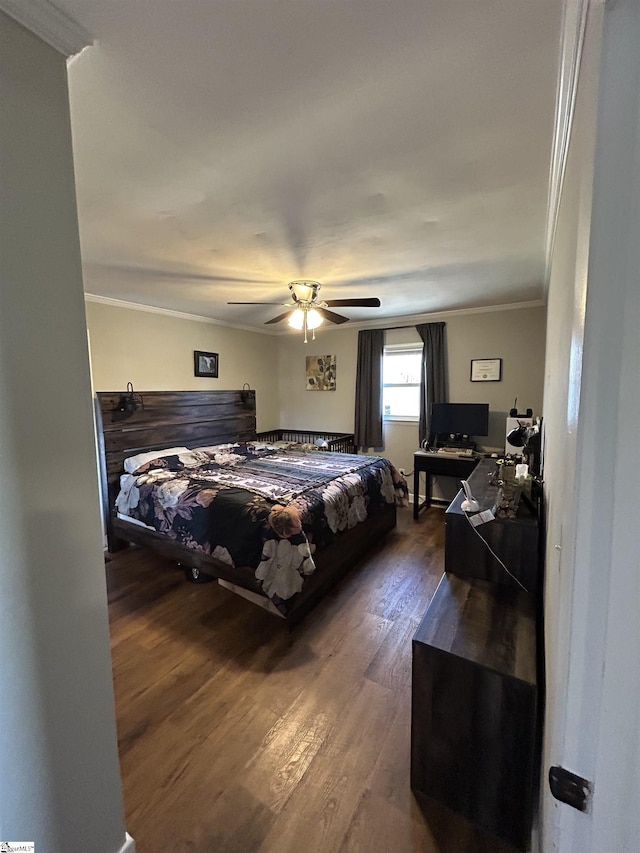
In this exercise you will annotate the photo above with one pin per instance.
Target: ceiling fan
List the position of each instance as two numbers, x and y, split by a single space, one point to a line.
306 311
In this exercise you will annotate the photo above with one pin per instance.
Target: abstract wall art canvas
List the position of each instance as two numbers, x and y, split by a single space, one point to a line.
321 373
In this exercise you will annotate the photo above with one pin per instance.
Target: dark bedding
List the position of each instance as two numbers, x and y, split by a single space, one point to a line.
220 500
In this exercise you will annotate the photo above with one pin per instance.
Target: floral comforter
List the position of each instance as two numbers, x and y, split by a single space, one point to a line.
220 500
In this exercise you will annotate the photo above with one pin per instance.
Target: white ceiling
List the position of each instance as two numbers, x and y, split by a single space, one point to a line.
386 148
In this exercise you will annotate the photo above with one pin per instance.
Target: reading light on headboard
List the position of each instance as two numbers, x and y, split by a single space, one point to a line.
246 394
128 403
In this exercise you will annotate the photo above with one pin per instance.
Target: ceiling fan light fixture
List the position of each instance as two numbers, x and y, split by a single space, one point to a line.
304 289
296 320
308 312
314 318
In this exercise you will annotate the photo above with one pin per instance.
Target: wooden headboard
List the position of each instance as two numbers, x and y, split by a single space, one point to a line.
166 419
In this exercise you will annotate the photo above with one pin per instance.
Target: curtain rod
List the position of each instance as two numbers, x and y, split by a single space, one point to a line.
393 328
388 328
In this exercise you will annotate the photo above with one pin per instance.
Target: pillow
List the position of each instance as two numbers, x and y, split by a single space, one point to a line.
217 448
132 463
192 459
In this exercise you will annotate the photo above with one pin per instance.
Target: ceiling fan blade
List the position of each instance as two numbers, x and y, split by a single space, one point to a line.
354 303
331 316
279 318
256 303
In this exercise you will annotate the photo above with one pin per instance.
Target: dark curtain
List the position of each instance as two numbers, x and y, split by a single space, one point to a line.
433 376
368 419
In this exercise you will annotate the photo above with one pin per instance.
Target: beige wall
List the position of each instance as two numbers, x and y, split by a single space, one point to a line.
331 410
155 352
517 336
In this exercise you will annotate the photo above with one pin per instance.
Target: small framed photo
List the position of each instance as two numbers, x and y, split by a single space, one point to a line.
486 369
205 363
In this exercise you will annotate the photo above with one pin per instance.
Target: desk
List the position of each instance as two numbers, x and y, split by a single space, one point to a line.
437 464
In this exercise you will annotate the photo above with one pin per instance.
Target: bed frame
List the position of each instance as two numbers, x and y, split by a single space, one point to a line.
161 419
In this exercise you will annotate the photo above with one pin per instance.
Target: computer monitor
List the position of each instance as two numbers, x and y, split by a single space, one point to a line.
460 419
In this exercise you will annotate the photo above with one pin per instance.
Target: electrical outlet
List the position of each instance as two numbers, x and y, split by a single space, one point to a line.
403 472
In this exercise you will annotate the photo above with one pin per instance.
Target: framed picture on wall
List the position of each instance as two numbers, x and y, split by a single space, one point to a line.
321 373
486 369
205 363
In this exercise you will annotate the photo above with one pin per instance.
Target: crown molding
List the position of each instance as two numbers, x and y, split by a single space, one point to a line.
169 312
574 25
386 323
51 24
435 316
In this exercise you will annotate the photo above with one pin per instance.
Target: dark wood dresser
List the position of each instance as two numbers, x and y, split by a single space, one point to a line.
514 540
474 695
475 692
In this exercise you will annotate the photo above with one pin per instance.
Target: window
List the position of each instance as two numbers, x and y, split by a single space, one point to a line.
401 381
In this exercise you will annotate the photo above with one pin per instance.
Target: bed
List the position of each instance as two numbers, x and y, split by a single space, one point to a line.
204 488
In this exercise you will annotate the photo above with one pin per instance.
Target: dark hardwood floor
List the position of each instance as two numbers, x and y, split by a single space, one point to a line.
237 736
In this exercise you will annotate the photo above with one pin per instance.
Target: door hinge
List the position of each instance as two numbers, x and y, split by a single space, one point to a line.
569 788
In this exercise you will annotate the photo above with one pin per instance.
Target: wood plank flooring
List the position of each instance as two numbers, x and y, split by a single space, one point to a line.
237 736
